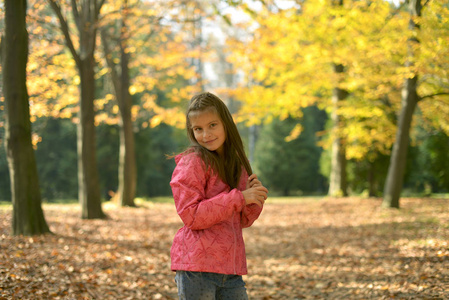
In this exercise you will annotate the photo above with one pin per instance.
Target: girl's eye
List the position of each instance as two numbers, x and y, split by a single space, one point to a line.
197 129
213 125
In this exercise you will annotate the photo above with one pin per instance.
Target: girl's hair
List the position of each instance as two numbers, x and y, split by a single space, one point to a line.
229 167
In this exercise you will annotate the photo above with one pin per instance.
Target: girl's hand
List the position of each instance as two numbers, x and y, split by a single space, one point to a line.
253 181
255 192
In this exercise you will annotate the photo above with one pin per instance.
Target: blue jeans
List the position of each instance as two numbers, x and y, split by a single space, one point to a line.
209 286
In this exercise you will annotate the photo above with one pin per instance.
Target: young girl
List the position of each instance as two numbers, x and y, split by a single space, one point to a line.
216 195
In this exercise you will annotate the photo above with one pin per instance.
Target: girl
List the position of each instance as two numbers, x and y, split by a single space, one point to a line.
216 195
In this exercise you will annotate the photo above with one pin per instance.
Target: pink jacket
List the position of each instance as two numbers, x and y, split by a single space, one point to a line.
211 239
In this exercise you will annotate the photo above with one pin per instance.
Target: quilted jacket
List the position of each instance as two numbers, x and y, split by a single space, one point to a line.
213 215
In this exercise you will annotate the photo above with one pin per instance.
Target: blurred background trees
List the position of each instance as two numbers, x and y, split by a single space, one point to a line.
277 64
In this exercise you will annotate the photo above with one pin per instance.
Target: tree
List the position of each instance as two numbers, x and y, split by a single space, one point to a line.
127 173
425 72
85 16
309 67
28 217
337 181
410 98
132 37
301 55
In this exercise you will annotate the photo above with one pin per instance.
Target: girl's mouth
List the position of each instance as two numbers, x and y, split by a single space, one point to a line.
209 142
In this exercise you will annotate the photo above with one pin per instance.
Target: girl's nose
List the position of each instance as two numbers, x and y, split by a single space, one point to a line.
206 133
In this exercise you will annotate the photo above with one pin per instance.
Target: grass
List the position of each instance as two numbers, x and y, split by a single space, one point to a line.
169 199
160 199
5 205
294 200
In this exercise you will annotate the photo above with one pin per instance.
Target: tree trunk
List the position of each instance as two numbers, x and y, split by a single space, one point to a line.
85 15
89 194
127 163
396 168
28 217
127 172
338 184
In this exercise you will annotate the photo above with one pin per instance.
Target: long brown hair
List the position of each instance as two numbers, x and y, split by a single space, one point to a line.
228 167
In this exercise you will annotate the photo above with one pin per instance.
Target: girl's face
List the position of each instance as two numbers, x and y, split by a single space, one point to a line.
208 130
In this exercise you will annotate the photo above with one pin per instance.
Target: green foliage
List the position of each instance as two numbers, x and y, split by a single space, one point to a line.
56 158
107 158
437 147
153 168
149 201
367 177
291 167
428 167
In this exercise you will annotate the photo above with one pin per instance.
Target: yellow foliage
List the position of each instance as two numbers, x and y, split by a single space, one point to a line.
171 116
115 109
35 139
51 74
294 134
138 87
155 121
289 58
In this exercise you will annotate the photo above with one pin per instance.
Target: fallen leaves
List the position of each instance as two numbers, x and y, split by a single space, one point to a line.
125 257
350 249
299 249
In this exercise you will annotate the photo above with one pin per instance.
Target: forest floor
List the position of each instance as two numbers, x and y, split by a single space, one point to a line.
307 248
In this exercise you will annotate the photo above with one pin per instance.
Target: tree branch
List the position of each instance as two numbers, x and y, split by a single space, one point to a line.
110 62
65 30
98 7
76 15
392 15
434 95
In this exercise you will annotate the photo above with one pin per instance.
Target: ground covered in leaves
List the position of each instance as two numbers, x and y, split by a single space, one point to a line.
299 249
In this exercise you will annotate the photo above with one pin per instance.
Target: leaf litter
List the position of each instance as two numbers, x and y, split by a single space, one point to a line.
345 248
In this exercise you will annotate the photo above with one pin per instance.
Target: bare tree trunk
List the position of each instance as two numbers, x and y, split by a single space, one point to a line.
410 98
28 217
191 9
127 173
89 194
85 16
127 163
337 182
396 168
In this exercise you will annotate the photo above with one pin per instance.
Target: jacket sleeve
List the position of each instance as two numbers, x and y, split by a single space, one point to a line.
196 211
250 212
